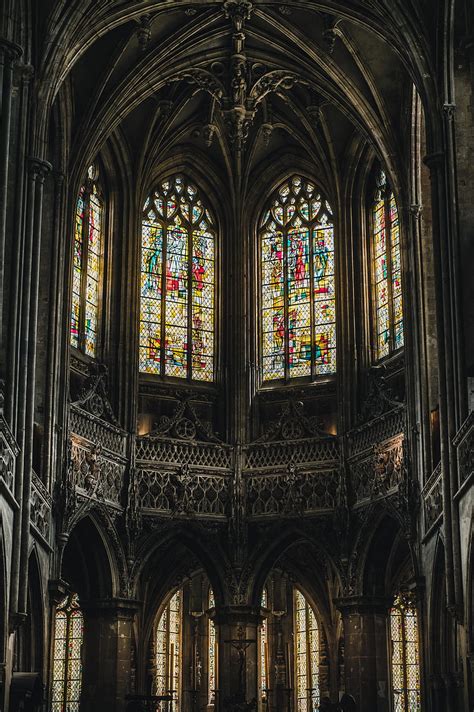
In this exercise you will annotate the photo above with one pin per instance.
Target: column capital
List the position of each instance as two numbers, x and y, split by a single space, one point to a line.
433 160
11 49
58 589
416 210
237 615
38 168
125 608
363 604
449 110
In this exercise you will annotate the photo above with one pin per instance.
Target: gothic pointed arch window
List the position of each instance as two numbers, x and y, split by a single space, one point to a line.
405 654
67 656
306 632
178 266
386 270
87 265
297 283
212 653
168 649
264 659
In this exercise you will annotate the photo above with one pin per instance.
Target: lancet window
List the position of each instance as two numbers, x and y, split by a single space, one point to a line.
306 655
87 265
405 662
67 656
178 266
264 660
168 650
298 306
386 271
212 653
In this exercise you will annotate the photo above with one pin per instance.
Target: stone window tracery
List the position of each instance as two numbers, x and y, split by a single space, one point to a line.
178 265
212 653
168 650
87 265
297 283
67 656
405 656
386 271
306 632
264 659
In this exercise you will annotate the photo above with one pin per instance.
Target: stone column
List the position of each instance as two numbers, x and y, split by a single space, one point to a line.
366 664
107 654
237 628
9 53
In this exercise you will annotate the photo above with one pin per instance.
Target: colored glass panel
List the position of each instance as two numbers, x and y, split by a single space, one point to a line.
306 655
177 315
88 231
212 653
387 277
405 664
67 656
298 330
264 681
167 648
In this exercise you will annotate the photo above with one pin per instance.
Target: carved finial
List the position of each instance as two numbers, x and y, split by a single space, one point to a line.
329 31
238 11
144 31
208 131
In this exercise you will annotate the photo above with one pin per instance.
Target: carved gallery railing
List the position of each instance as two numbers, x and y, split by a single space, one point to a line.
187 492
97 458
433 500
464 441
161 451
8 452
376 455
306 451
40 503
179 477
283 477
292 493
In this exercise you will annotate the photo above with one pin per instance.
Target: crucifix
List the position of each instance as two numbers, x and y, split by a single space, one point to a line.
241 644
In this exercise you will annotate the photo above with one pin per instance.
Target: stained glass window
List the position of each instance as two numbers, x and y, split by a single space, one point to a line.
168 646
387 276
86 272
67 658
405 655
264 660
212 661
177 312
298 322
306 655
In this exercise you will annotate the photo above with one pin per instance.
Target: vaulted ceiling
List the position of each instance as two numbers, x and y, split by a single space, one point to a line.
241 85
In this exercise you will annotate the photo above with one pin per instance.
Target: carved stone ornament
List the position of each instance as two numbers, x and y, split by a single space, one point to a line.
379 398
185 424
245 87
293 424
94 397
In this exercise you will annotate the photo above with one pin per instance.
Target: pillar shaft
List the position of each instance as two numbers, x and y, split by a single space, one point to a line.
108 634
237 635
366 663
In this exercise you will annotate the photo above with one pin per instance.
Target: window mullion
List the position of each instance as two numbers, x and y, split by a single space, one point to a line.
286 316
388 257
311 299
164 258
84 267
404 662
309 676
66 658
190 301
